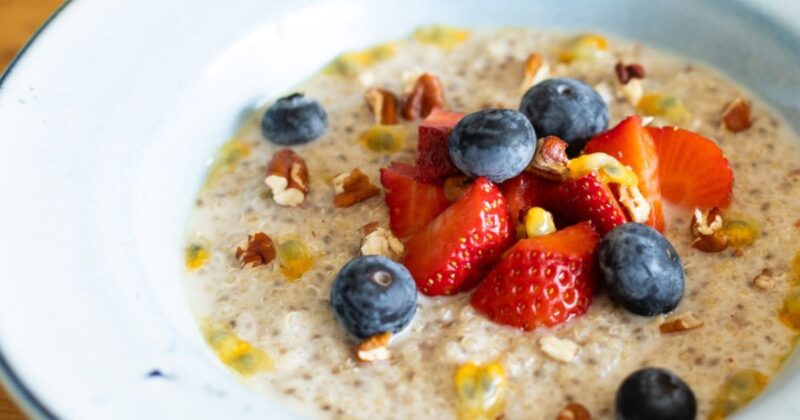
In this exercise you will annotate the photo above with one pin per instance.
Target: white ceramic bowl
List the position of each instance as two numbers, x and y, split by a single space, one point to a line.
107 122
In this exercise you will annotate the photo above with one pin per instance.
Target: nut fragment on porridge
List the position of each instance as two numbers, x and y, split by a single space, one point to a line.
764 280
683 322
707 230
382 242
259 250
383 104
560 349
736 116
550 160
534 71
374 348
627 72
287 178
574 411
426 94
353 188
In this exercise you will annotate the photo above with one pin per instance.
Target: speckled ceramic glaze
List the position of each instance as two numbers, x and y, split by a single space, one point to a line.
103 147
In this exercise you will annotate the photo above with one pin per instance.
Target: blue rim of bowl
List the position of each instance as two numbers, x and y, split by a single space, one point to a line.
20 393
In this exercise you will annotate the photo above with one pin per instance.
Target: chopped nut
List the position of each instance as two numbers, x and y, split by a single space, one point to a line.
764 280
797 223
382 242
574 411
455 187
383 104
638 208
550 160
374 348
259 251
736 116
633 92
707 228
560 349
625 73
426 94
287 177
369 228
353 188
683 322
534 71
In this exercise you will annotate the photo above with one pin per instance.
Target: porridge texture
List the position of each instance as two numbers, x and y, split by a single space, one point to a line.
273 323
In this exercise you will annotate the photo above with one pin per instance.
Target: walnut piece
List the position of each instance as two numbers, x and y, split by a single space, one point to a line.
574 411
382 242
683 322
383 104
707 231
353 188
374 348
259 250
534 71
287 178
764 280
736 116
560 349
550 160
425 95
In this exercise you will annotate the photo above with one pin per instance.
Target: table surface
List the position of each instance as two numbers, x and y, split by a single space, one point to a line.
18 20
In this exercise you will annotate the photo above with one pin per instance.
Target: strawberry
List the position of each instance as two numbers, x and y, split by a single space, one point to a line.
693 169
586 199
455 250
412 204
632 145
524 191
542 281
433 156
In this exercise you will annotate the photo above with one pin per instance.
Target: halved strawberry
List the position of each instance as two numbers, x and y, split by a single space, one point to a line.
524 191
542 281
693 169
457 248
632 145
586 199
433 156
412 203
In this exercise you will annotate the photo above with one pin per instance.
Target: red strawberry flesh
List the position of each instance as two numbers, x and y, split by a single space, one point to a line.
586 199
412 203
433 156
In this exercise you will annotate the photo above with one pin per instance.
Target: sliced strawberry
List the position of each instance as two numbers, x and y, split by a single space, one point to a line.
456 249
412 203
586 199
542 281
693 169
524 191
433 156
632 145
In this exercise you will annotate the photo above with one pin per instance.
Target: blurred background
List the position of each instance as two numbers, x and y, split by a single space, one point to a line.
19 19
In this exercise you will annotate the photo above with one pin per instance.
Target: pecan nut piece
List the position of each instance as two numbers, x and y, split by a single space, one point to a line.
533 71
287 177
736 116
625 73
574 411
383 104
260 250
681 323
707 231
550 160
374 348
426 95
353 188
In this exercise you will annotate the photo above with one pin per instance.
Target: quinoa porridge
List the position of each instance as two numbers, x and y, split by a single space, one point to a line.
274 325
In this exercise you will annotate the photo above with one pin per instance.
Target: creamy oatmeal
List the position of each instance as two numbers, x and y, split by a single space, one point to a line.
733 316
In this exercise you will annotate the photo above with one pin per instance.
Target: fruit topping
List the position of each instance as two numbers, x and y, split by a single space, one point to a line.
196 253
642 271
538 222
293 120
295 258
574 411
412 203
426 94
542 281
227 157
353 62
259 251
455 250
524 191
384 138
236 353
456 186
741 230
630 143
662 105
736 116
566 108
383 104
626 73
790 313
433 155
583 47
795 265
353 188
692 169
372 295
444 37
550 160
481 391
287 178
586 199
494 143
736 392
655 394
707 230
381 242
609 169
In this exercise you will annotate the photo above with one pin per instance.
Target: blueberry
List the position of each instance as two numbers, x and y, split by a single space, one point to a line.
642 271
567 108
294 119
655 394
372 295
495 143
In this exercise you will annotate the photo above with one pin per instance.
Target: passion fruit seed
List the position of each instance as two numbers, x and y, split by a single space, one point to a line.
236 353
196 254
790 313
662 105
385 138
583 47
480 390
795 264
444 37
227 157
736 392
741 230
538 222
295 258
350 63
609 168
